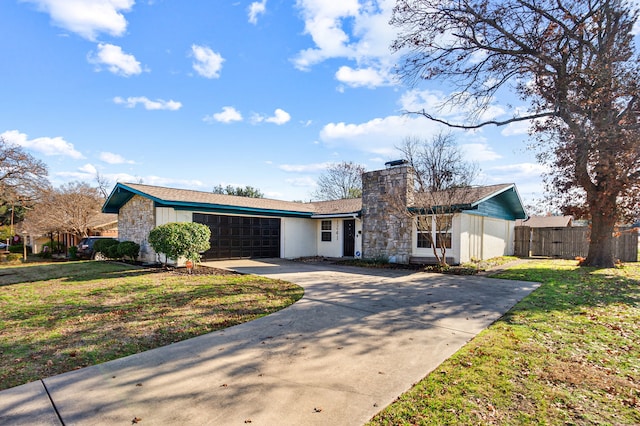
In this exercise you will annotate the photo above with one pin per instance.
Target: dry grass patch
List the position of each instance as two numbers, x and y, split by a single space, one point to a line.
60 317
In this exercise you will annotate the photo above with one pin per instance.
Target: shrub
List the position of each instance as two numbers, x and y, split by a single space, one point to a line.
112 251
128 250
19 248
184 239
14 257
73 252
102 246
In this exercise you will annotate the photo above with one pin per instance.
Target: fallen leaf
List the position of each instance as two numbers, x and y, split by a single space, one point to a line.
138 384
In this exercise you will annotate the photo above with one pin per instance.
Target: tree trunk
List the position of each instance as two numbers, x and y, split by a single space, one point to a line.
601 243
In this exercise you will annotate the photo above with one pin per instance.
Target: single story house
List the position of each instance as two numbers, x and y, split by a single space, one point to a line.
241 227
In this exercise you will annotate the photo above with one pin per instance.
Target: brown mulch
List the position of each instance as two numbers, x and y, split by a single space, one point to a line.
202 270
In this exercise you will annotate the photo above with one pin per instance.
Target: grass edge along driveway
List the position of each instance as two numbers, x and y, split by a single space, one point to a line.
569 353
59 317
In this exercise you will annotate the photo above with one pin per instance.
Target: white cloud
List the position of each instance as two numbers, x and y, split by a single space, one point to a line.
207 63
378 136
526 176
279 117
111 158
116 60
44 145
363 77
87 18
304 168
255 9
479 152
228 115
348 29
148 104
89 169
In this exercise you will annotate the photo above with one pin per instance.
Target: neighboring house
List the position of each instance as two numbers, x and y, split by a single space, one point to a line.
243 227
101 224
546 222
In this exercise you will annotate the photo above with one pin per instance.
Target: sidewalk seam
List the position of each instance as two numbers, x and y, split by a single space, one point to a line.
52 403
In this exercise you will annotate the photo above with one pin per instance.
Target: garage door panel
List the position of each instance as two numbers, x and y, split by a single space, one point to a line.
241 236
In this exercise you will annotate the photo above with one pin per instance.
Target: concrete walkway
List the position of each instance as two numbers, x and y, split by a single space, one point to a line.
356 341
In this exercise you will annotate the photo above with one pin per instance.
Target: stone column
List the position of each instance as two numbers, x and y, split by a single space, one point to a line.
386 227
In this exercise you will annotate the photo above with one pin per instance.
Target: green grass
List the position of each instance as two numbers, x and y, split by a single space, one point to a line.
62 316
568 354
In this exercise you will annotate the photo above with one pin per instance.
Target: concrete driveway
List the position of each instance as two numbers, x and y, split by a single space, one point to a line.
355 341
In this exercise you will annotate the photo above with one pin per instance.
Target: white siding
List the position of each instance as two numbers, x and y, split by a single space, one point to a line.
298 238
167 215
335 247
497 238
470 237
474 237
331 248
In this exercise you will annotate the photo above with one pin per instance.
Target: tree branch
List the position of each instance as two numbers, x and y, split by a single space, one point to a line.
484 123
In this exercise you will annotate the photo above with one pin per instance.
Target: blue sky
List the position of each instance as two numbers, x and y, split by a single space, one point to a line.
192 94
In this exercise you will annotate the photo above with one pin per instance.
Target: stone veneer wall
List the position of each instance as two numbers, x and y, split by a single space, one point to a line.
135 220
386 230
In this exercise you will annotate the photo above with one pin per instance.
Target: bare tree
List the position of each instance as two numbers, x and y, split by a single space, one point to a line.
443 180
104 185
340 181
575 64
68 208
22 180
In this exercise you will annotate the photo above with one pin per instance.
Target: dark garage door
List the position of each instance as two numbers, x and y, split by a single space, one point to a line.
234 237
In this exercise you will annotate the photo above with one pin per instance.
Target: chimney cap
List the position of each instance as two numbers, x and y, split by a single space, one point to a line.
396 163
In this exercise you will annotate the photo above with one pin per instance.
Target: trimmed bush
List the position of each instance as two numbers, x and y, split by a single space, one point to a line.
128 250
102 246
180 239
112 252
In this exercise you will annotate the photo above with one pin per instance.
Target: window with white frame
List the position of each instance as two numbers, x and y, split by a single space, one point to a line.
434 228
326 230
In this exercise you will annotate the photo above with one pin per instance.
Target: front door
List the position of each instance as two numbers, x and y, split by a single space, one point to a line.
349 243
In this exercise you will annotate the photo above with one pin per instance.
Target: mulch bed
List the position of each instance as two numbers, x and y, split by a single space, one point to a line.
202 270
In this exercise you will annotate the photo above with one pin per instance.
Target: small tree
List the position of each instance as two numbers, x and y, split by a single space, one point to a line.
183 239
340 181
442 182
247 191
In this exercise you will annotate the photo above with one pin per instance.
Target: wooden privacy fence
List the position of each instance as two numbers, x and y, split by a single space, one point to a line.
569 243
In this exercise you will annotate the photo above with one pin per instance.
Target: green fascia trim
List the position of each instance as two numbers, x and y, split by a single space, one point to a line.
447 210
218 208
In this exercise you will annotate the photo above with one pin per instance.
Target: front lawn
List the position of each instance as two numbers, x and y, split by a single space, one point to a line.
59 317
568 354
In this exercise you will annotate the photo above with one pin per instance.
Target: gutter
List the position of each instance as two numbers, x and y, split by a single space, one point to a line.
335 216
